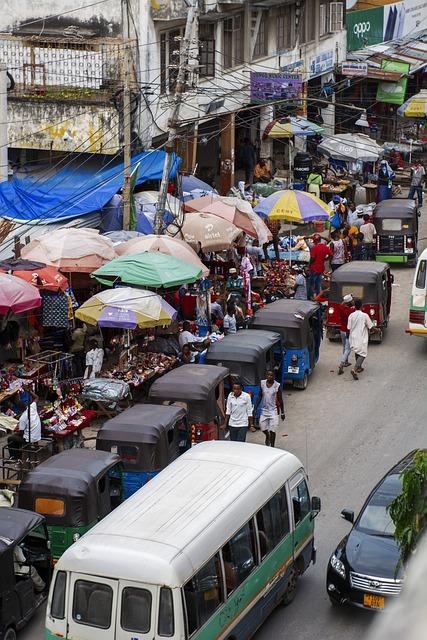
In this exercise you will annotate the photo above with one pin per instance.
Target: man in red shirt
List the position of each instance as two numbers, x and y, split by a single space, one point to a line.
345 309
318 254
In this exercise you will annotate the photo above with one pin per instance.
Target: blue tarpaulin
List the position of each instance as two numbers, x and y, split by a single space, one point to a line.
74 191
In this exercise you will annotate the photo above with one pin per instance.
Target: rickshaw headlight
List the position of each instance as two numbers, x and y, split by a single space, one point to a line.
371 312
76 536
331 310
294 359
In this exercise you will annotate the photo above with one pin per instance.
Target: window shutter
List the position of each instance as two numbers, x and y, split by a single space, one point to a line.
323 20
336 17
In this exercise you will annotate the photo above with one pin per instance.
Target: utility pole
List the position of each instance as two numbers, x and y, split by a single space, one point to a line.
4 165
190 34
127 70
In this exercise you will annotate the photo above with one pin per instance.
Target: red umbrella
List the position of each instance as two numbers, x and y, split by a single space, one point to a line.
46 278
16 295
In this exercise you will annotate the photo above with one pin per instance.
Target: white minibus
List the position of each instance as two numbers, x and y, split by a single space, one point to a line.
418 303
205 550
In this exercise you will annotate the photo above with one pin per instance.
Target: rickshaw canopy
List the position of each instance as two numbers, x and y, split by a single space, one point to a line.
290 318
72 477
144 427
396 208
245 353
192 385
365 277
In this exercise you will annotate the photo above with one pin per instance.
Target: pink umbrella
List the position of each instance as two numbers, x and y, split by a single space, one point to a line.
234 210
71 249
163 244
16 295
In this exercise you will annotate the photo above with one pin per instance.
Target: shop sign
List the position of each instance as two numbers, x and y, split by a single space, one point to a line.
293 67
322 63
393 92
354 69
275 86
364 28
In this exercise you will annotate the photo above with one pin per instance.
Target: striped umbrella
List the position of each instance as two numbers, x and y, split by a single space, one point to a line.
289 127
415 107
293 206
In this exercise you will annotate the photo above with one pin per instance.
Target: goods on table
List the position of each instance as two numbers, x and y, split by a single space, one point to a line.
9 384
280 282
62 415
142 368
105 390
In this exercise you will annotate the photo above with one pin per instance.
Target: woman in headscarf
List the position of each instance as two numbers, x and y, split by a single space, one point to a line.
385 177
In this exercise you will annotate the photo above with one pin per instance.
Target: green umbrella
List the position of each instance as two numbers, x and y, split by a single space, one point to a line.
148 269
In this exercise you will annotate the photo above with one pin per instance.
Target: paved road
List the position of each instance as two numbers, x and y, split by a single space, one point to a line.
348 434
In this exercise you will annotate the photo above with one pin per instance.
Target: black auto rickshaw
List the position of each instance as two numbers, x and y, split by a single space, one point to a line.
25 568
199 389
299 323
73 490
396 224
368 281
147 438
248 355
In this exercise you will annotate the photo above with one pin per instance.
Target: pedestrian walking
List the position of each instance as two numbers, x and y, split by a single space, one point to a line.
418 175
271 401
338 248
300 283
238 413
385 181
318 254
345 309
359 325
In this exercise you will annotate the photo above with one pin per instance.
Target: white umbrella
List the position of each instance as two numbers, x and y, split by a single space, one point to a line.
351 147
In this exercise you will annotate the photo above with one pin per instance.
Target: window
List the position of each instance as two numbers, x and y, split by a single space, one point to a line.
57 609
127 453
336 16
207 49
300 501
136 610
420 282
286 28
239 557
261 43
49 506
273 522
203 594
356 290
323 20
170 43
92 604
166 626
391 224
233 41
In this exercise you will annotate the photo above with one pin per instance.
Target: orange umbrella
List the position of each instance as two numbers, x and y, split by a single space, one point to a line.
47 278
234 210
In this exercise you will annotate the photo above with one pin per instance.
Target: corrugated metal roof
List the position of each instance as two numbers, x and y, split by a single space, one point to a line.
412 50
9 230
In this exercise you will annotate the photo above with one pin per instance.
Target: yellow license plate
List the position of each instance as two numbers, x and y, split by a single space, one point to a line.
374 602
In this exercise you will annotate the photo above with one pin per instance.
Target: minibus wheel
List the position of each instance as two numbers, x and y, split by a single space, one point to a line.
291 587
10 634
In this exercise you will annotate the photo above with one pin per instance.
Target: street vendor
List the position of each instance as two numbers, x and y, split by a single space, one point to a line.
234 281
29 427
94 360
300 283
262 172
196 343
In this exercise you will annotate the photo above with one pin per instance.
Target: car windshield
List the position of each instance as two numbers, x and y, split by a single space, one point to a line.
375 518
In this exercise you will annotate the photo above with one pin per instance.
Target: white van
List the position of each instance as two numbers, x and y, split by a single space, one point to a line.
205 550
418 303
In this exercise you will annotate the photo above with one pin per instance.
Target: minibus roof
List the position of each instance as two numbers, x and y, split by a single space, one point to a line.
167 530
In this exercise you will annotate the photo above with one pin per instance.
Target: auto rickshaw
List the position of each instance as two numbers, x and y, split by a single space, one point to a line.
147 438
73 490
299 322
396 223
368 281
248 355
25 568
199 389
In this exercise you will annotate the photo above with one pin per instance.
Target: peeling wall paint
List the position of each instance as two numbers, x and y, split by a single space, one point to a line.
60 126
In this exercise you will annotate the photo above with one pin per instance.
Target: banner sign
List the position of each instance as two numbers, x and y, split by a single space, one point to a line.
322 63
393 92
354 68
275 86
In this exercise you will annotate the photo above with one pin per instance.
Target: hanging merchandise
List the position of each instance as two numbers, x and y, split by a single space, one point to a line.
54 310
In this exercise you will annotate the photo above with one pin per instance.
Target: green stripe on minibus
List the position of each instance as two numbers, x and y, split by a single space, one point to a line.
414 306
381 258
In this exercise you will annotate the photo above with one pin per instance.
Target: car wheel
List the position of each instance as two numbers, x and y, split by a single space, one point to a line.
302 384
10 634
291 588
334 603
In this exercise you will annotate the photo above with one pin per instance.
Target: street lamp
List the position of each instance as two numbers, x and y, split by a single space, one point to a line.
362 121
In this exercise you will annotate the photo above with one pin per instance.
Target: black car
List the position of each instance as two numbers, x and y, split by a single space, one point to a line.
364 569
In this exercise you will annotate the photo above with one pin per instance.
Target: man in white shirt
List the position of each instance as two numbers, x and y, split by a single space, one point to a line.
359 325
369 232
196 344
238 413
29 429
94 360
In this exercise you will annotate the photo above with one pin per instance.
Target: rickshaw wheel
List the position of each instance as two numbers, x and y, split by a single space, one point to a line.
10 634
301 384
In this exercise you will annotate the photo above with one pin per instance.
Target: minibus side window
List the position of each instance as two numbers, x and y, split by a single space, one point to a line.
136 610
166 616
57 609
420 282
239 558
300 501
273 522
92 604
203 594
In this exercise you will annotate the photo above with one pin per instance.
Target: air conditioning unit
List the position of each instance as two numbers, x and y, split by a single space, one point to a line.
336 16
